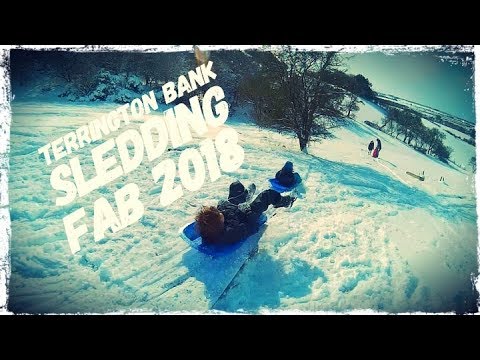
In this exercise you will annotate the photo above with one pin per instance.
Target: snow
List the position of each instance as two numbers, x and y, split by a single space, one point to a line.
362 235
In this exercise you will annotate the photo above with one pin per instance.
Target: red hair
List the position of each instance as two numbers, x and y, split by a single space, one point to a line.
209 223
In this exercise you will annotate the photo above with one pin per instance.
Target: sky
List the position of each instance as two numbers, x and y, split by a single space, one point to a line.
421 77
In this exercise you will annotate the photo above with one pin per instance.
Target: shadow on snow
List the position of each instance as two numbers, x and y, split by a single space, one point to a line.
368 183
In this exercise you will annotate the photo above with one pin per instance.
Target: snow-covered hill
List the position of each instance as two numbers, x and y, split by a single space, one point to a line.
431 112
363 235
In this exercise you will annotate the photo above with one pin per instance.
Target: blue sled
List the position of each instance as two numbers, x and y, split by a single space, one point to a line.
280 188
190 234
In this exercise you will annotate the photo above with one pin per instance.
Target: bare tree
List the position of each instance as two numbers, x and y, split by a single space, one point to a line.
352 104
292 94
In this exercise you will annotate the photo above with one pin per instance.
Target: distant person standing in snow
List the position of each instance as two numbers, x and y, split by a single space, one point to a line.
376 152
370 147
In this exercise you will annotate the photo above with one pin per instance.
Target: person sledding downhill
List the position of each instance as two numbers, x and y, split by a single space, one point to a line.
286 179
234 219
285 175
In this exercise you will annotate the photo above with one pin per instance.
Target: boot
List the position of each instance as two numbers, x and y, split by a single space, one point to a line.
285 201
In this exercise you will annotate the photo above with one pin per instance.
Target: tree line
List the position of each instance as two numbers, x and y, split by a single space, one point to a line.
96 76
408 127
304 93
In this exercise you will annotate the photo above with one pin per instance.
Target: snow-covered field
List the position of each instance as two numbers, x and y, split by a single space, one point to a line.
426 109
363 235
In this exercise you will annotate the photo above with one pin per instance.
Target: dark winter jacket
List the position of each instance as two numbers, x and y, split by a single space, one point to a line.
286 176
239 221
371 146
379 145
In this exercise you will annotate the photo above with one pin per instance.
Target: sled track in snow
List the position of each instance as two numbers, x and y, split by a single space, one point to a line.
393 173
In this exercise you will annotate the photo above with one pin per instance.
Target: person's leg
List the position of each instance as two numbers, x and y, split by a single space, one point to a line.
267 198
259 205
262 202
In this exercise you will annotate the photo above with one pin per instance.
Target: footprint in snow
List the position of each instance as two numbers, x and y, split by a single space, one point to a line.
329 236
329 199
357 204
202 196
